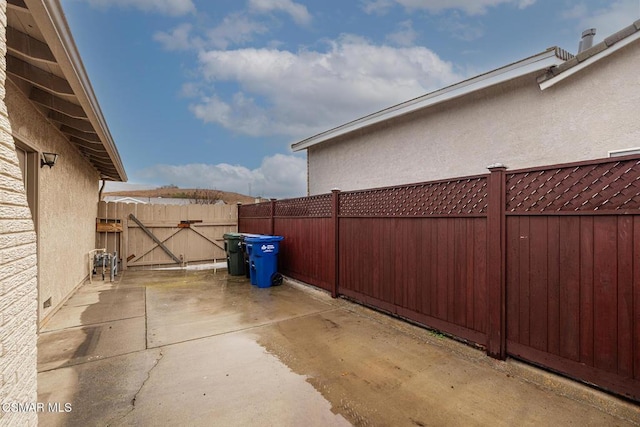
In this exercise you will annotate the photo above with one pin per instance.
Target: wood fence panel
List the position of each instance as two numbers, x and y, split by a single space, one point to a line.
255 218
569 293
255 225
584 310
625 295
572 262
306 251
397 263
585 325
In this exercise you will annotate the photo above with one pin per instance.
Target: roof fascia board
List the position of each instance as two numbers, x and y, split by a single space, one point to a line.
582 65
535 63
51 21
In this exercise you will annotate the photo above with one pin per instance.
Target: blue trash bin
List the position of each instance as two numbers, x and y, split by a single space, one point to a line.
263 258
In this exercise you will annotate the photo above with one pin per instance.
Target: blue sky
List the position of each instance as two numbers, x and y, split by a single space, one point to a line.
212 93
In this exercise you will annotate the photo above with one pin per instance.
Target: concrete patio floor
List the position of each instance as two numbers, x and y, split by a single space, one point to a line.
203 348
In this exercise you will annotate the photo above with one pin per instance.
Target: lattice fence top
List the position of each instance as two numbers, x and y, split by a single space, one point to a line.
456 197
313 206
258 210
611 186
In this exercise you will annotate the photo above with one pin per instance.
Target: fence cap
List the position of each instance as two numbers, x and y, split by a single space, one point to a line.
496 166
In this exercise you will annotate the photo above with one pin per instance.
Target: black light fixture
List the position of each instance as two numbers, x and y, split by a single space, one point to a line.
48 159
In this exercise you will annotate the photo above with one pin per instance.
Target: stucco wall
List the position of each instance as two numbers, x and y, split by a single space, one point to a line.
67 204
18 273
517 124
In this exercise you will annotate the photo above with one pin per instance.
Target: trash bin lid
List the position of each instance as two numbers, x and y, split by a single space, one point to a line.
263 238
244 235
232 235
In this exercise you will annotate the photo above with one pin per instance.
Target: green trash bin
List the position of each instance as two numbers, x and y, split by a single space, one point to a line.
235 256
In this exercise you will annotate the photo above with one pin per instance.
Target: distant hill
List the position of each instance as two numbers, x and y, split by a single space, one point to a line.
189 193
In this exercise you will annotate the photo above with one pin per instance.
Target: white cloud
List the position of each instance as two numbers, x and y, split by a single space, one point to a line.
459 29
578 11
526 3
178 39
405 36
296 11
608 20
278 176
470 7
379 7
236 28
166 7
299 94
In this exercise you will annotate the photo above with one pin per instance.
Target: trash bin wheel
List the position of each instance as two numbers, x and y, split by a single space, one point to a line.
276 279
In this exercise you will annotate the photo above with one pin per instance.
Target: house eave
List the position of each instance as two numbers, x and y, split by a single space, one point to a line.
49 16
542 61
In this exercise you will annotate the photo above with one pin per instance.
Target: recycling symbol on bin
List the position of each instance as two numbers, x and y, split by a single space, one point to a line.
267 248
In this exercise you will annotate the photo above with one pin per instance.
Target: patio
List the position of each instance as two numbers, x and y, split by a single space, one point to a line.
205 348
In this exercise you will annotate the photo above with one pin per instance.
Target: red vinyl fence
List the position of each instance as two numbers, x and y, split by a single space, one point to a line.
540 264
573 271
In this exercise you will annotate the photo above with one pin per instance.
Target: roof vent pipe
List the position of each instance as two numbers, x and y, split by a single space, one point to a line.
587 39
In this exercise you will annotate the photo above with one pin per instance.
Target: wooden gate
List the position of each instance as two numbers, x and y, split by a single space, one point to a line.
164 235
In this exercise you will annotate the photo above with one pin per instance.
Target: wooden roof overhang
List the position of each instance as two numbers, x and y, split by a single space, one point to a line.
44 63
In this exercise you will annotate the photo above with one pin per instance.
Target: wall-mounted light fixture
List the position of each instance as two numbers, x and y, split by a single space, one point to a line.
48 159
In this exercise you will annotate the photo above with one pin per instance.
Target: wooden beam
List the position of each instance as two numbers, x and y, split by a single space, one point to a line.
90 137
17 4
108 227
37 76
206 238
25 45
92 147
154 238
60 105
101 166
172 224
138 258
80 124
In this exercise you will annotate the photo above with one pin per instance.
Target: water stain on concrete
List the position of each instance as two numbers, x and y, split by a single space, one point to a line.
238 384
374 375
203 348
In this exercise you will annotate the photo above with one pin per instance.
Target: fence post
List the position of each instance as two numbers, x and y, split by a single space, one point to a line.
496 262
273 214
124 242
335 195
238 205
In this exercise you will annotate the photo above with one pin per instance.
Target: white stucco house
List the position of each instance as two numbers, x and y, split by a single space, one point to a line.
47 213
549 108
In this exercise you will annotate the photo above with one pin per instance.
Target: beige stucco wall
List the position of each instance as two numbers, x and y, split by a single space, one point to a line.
67 204
18 273
516 124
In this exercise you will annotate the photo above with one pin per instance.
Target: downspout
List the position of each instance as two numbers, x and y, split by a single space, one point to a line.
104 182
